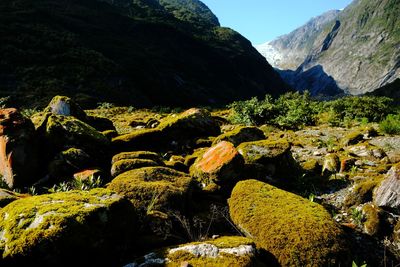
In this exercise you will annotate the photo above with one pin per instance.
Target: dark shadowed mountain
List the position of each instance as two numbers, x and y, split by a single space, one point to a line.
140 52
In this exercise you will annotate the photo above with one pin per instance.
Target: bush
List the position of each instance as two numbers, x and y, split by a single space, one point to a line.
291 110
391 125
366 108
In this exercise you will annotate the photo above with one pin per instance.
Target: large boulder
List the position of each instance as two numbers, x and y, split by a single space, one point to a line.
18 153
172 130
72 228
125 165
295 230
274 157
63 132
154 188
137 155
220 165
240 135
387 194
223 251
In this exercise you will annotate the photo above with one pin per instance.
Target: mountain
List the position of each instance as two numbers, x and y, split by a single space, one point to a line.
289 51
359 48
132 52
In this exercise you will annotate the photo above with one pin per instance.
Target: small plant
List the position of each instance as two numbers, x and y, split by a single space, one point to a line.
354 264
153 202
391 124
77 184
311 197
105 105
28 112
357 216
61 187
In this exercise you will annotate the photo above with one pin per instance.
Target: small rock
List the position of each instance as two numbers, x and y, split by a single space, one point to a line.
331 164
387 195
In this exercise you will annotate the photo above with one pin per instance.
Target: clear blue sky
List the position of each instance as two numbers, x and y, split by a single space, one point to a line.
264 20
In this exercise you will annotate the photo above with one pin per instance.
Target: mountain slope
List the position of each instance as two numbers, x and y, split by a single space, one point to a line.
359 49
289 51
130 52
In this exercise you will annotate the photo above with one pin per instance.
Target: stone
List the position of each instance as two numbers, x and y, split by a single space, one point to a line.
296 231
125 165
64 132
94 226
100 123
65 106
154 188
222 251
240 135
18 152
137 155
387 194
331 164
220 164
86 175
274 155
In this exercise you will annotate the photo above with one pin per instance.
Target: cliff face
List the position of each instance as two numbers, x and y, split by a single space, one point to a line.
136 52
359 47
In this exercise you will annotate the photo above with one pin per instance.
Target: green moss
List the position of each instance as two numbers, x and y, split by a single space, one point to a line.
159 187
263 151
352 138
63 105
68 131
76 157
296 231
125 165
190 159
137 155
240 135
51 228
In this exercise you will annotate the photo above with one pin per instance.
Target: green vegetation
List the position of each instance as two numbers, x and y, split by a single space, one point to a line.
296 110
391 124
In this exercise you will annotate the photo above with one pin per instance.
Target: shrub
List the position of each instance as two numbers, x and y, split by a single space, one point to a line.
391 125
366 108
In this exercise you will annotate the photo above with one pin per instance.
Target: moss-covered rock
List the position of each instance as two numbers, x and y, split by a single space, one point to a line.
240 135
100 123
92 226
372 221
65 106
220 164
274 155
190 124
110 134
362 191
172 130
143 139
223 251
137 155
64 131
125 165
296 231
154 188
352 138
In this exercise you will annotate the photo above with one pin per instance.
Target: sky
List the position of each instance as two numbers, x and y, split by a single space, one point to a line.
264 20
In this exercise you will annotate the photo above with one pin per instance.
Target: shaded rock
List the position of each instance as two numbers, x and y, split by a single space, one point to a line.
172 130
241 135
65 106
360 151
190 124
347 164
223 251
143 139
94 226
64 132
390 145
177 163
7 197
125 165
137 155
99 123
155 188
371 222
352 138
387 195
331 164
110 134
18 154
220 164
274 155
295 230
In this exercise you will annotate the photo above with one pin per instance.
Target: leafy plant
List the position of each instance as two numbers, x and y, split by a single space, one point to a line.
391 124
